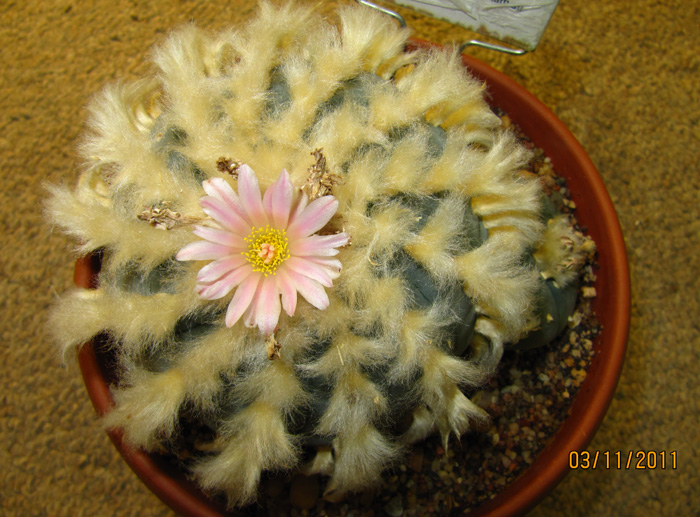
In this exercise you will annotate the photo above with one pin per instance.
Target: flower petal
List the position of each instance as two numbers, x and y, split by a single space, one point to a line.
218 236
249 194
309 269
221 190
331 266
203 250
311 290
299 207
215 270
288 291
267 309
241 299
223 286
222 214
249 316
277 201
313 218
318 245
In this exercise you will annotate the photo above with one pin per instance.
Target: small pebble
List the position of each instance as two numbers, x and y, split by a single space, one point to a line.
415 460
588 292
304 492
394 508
274 486
367 497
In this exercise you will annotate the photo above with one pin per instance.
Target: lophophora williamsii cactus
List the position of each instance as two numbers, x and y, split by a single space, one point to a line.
311 240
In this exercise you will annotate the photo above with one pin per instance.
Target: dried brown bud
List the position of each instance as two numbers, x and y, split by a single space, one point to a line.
162 217
273 347
228 166
320 180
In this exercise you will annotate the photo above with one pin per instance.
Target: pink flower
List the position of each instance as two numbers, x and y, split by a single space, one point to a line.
265 248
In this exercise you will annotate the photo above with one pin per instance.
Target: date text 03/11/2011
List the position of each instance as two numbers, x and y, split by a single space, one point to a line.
638 460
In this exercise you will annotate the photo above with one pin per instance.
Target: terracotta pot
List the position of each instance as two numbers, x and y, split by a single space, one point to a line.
612 306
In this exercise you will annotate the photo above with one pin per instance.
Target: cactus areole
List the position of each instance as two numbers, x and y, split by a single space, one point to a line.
310 243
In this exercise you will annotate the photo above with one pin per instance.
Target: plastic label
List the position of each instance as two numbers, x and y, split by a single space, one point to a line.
517 22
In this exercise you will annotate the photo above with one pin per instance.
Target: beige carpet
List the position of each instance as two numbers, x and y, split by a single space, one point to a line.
622 74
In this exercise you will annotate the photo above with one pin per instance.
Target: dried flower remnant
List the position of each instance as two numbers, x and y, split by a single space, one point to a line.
320 180
162 217
272 347
228 166
264 247
575 261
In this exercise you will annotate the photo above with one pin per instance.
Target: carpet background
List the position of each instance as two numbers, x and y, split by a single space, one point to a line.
622 74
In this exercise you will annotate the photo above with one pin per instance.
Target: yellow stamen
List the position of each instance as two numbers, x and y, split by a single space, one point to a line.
267 249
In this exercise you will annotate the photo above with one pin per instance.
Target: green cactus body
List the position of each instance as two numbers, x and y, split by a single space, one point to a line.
451 257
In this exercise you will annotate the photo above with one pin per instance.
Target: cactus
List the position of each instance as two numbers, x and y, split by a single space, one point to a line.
444 252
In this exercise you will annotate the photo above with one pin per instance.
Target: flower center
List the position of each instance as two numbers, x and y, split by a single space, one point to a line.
267 249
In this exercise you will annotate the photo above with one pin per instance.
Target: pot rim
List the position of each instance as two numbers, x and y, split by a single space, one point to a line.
611 305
